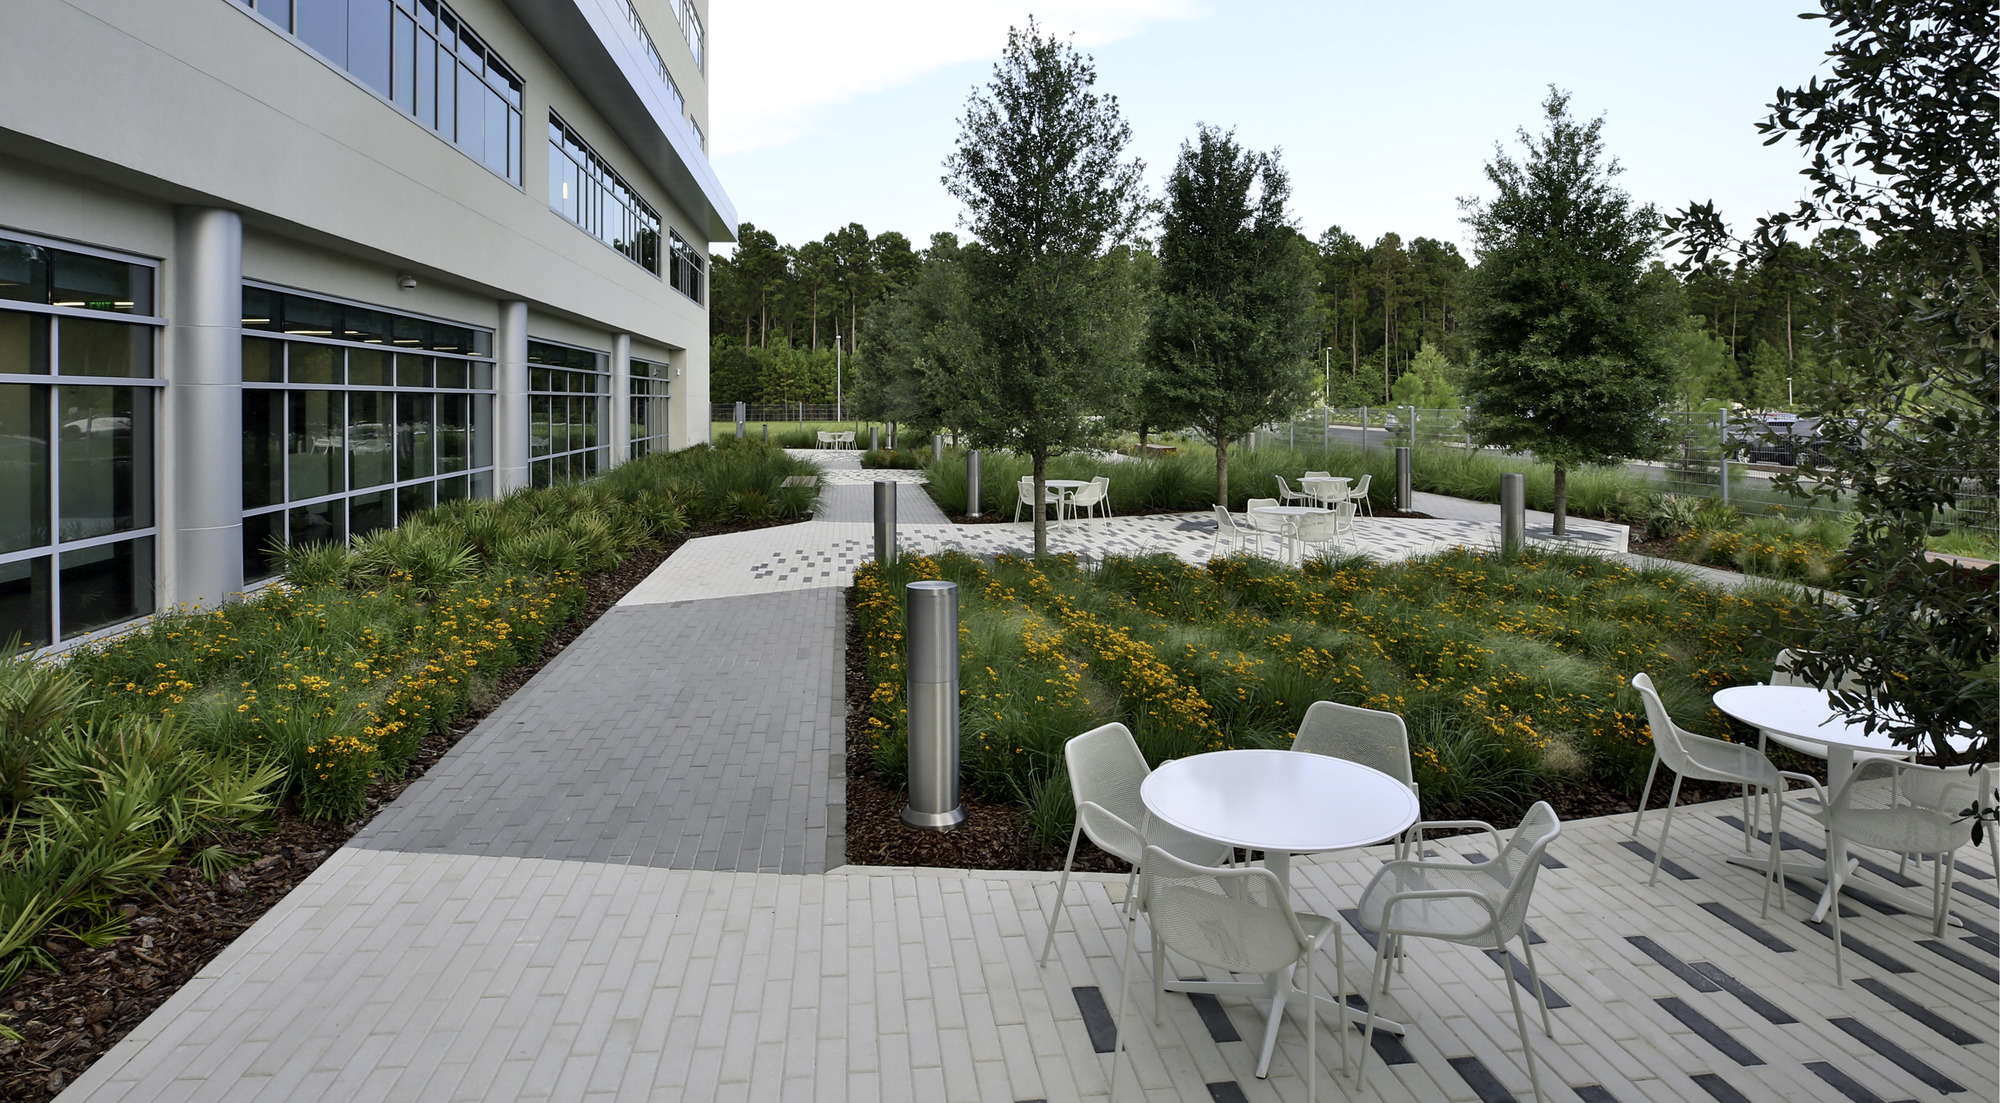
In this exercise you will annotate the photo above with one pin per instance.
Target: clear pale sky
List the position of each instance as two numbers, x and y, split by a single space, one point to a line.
829 113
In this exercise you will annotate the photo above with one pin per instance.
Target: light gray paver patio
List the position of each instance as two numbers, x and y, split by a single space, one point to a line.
435 976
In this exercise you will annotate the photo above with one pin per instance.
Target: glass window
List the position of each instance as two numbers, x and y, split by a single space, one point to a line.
263 360
454 425
415 440
687 268
24 272
322 24
368 26
24 342
314 364
263 448
316 443
371 441
263 539
24 603
106 584
368 368
90 347
105 446
602 204
319 523
59 277
368 513
24 468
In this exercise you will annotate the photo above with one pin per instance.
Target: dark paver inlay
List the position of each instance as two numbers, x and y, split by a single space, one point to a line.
688 735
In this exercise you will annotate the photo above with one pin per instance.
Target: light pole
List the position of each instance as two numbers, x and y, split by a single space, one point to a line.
1326 396
836 378
1788 392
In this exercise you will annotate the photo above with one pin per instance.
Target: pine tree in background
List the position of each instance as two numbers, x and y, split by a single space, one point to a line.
1567 329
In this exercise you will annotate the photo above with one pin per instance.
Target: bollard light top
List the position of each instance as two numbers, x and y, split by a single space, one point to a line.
933 584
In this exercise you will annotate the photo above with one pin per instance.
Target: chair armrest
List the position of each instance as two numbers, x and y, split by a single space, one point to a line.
1418 829
1818 789
1389 905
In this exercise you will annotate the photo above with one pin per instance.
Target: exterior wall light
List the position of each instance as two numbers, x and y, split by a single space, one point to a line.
407 282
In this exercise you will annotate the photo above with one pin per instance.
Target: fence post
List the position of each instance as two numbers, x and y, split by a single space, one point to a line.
1404 496
930 618
972 483
1466 424
1364 431
739 421
885 523
1513 513
1722 435
1413 424
1292 428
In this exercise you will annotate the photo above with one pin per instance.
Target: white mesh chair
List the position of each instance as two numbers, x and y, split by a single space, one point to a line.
1903 808
1105 771
1359 496
1026 497
1697 756
1376 739
1105 482
1228 531
1087 498
1483 905
1317 530
1263 524
1289 496
1240 920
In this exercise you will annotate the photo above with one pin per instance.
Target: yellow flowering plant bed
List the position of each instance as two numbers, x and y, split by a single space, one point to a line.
1511 673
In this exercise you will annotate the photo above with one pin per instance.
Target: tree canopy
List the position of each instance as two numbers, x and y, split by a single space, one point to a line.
1235 325
1567 329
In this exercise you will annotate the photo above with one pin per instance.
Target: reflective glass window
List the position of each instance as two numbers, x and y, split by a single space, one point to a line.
105 448
263 360
415 438
316 443
263 448
24 343
314 364
90 347
25 615
318 523
24 272
24 467
106 584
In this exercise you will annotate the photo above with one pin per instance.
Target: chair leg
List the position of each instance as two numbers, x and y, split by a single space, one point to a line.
1944 867
1339 993
1520 1020
1776 879
1376 978
1528 951
1644 794
1120 1025
1062 886
1672 797
1159 975
1131 879
1833 914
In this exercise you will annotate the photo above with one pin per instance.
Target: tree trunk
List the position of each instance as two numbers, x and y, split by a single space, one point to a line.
1142 440
1562 501
1221 472
1041 514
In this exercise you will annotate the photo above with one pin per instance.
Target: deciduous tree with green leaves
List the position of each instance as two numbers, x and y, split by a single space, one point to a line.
1052 317
1236 325
1567 328
1904 132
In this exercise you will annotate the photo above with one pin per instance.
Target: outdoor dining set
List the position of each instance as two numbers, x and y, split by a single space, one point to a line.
1319 515
1191 827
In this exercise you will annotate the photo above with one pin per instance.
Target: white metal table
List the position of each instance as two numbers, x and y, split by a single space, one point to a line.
1804 719
1064 488
1288 518
1282 803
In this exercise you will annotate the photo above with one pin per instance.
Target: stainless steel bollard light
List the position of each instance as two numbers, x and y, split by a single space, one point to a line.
937 448
885 523
972 483
874 437
767 432
930 619
1513 513
740 418
1405 497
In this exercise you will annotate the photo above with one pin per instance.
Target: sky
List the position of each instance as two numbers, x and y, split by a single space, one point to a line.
1386 114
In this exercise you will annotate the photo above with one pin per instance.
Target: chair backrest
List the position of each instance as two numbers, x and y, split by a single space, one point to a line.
1666 736
1285 489
1373 738
1088 494
1318 528
1520 862
1343 513
1318 475
1224 522
1784 672
1105 771
1262 520
1027 489
1904 808
1361 487
1235 919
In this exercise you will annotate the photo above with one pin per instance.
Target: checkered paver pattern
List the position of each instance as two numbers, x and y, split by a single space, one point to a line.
442 977
692 735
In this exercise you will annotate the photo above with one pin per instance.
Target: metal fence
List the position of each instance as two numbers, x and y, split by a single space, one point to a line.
782 411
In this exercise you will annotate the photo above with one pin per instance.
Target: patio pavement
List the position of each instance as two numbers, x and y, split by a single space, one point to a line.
618 888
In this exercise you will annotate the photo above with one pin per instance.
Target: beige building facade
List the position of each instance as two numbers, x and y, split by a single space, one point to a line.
285 271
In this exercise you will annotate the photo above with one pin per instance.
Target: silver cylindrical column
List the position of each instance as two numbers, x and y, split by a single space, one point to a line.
885 523
1513 513
202 412
874 437
621 400
972 483
1405 498
930 618
937 448
510 399
740 419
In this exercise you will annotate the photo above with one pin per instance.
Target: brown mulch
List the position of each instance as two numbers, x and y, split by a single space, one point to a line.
71 1017
1006 516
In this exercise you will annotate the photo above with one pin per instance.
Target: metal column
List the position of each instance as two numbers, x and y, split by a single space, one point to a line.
1513 513
202 411
1404 496
510 400
972 483
931 623
885 523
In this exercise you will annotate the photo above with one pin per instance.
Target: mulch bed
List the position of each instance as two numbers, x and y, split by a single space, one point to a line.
71 1017
1006 516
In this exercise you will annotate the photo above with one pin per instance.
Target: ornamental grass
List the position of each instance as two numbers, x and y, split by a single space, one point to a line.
1511 673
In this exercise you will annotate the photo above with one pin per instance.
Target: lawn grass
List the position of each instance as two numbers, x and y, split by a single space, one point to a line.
1511 673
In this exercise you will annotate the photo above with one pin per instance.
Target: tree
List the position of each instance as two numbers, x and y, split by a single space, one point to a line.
913 343
1232 340
1566 328
1427 385
1905 139
1053 319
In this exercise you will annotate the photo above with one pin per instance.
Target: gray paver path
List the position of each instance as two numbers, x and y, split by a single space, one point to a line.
690 735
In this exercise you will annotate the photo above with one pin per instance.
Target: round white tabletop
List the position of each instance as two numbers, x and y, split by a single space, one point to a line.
1803 713
1066 484
1283 802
